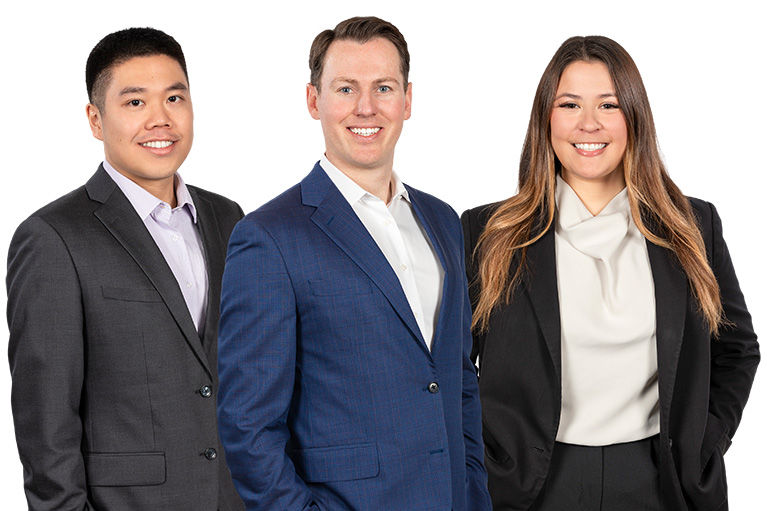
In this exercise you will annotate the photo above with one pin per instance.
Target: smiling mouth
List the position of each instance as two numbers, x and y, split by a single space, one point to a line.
158 144
365 132
590 147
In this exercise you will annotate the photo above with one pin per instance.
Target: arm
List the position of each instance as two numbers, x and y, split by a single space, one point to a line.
477 496
46 355
735 354
256 368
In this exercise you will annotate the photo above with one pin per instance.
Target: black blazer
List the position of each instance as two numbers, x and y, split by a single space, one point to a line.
703 383
113 389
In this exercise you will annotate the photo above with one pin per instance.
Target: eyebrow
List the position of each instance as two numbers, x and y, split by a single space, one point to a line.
352 81
575 96
137 90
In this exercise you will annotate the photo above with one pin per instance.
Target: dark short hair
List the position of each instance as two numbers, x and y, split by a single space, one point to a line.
361 30
121 46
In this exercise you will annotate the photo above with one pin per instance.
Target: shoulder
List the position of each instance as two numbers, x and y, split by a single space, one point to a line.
68 212
478 216
475 219
282 217
280 210
707 218
219 202
433 204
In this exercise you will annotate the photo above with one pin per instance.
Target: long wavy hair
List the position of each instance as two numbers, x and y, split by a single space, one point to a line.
659 209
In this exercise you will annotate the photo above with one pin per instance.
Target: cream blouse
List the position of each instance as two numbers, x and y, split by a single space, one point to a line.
607 310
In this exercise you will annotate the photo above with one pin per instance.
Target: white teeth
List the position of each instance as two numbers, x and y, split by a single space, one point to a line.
365 132
590 147
159 144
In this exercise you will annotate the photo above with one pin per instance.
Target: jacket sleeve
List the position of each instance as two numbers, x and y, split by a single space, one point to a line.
735 353
46 355
477 496
256 368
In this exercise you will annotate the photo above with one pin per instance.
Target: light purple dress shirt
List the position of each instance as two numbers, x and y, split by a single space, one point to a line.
174 232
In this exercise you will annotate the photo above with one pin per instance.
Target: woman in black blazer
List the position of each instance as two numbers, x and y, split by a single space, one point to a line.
615 349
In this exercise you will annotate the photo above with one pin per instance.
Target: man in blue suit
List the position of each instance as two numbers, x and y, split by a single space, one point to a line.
344 342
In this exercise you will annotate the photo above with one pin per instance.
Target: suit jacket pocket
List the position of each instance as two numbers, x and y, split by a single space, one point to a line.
714 437
337 463
340 287
493 450
131 294
125 469
712 486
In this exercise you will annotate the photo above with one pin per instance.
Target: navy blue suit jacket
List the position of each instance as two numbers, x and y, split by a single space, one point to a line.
329 397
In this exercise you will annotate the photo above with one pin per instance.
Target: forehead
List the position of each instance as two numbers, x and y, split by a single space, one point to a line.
586 77
375 59
147 72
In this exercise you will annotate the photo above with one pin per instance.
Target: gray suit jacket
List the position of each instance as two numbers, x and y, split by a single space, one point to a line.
113 389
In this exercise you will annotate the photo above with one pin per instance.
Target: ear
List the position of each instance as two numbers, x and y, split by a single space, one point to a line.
311 100
94 120
408 100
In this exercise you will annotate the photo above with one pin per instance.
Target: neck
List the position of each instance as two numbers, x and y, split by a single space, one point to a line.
165 190
595 195
377 182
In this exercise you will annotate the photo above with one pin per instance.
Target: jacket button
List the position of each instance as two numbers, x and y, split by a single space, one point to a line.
433 387
206 391
210 453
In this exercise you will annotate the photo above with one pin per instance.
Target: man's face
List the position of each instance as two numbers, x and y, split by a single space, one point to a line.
146 120
362 104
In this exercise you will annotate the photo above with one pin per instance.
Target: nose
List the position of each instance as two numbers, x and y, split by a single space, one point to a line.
366 104
158 117
589 121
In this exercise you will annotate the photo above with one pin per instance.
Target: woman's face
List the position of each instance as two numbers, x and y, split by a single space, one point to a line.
588 130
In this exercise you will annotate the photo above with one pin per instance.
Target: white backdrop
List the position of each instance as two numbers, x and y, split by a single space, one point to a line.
474 66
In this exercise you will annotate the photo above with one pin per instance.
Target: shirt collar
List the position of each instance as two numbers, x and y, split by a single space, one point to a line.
144 202
353 192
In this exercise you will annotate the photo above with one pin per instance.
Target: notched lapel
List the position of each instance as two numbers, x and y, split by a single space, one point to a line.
540 283
671 297
336 218
118 216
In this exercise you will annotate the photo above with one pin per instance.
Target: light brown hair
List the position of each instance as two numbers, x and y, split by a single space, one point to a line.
361 30
659 209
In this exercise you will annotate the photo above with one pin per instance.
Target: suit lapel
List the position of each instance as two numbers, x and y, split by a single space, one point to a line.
336 218
432 226
540 283
214 248
670 311
120 219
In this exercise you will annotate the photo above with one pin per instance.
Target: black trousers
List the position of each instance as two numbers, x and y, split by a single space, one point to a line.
619 477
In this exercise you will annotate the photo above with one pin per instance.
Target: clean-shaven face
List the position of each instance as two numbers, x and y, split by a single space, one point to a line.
362 104
146 121
588 130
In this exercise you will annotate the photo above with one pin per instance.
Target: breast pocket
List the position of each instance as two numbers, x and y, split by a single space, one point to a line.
131 294
340 287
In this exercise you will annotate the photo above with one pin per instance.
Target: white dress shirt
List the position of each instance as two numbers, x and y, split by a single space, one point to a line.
399 234
607 310
174 232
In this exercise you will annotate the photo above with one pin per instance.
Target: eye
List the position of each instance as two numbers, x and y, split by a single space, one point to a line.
384 88
135 102
345 90
174 99
568 105
611 106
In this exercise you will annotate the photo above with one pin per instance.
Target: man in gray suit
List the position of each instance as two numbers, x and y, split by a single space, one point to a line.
113 306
